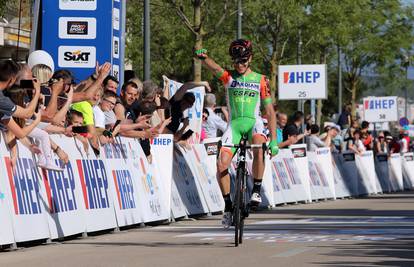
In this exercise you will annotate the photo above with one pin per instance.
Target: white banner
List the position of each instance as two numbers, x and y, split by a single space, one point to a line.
395 168
323 156
6 200
188 187
383 172
151 197
27 196
319 180
162 156
380 109
408 170
369 184
302 82
66 209
341 189
123 180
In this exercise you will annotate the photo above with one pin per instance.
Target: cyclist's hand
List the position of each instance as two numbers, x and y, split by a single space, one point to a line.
274 149
201 53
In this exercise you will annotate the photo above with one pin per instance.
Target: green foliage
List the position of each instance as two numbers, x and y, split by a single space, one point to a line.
372 34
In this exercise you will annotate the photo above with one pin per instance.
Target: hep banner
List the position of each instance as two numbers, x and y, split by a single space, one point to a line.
302 82
380 109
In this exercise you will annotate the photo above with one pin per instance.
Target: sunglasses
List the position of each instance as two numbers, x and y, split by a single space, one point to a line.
240 60
110 102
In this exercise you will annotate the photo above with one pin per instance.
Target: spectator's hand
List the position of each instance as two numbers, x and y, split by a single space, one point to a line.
36 85
57 87
97 69
186 122
201 54
70 94
13 162
38 116
150 133
34 149
273 147
68 131
62 156
143 118
104 70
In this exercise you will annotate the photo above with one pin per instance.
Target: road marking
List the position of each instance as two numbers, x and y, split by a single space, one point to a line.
291 252
369 220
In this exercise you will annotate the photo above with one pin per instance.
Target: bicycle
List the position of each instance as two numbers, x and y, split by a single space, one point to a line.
241 206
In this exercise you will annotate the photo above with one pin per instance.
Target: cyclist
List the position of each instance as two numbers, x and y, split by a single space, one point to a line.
246 92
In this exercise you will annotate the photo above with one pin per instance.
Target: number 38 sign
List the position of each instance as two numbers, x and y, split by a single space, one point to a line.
302 82
380 109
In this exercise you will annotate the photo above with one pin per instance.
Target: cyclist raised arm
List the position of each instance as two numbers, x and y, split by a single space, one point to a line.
246 92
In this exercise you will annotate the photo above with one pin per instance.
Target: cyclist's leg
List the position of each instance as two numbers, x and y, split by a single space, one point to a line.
231 136
223 164
258 137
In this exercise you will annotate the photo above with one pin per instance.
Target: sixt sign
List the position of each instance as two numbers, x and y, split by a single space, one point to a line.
60 189
24 185
124 189
301 77
94 182
380 109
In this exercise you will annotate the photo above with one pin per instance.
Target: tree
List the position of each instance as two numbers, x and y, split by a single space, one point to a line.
203 25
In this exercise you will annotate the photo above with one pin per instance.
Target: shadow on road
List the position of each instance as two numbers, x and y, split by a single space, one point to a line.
400 253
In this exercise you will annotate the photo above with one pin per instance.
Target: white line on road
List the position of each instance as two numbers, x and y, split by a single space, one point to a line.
292 252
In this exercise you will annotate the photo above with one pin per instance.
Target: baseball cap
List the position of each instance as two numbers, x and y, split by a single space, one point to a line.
41 57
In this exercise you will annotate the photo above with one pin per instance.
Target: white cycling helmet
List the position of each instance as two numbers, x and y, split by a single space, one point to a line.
41 57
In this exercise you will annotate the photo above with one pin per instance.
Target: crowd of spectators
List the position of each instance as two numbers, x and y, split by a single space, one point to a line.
37 101
346 135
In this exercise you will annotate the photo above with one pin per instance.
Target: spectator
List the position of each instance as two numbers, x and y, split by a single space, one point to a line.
312 141
297 121
404 142
380 144
181 101
124 112
393 144
309 122
281 123
110 84
344 120
86 108
45 158
355 144
330 135
107 103
291 133
366 136
214 122
204 121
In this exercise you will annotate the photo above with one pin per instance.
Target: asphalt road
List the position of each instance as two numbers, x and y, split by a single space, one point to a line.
374 231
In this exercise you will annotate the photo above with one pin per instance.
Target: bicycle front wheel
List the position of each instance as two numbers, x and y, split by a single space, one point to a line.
237 218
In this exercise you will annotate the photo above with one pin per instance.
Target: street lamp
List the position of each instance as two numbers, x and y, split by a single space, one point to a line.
406 63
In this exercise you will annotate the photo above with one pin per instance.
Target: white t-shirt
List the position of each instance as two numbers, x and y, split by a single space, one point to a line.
213 123
99 117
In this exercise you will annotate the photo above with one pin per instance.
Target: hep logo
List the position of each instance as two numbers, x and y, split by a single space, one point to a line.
301 77
77 56
379 104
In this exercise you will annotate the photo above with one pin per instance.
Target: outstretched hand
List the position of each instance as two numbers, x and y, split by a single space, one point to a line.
201 53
